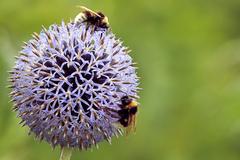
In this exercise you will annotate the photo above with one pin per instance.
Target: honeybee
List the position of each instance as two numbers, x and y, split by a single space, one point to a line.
128 113
94 18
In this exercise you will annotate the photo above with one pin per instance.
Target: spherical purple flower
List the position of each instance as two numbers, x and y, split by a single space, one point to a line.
68 81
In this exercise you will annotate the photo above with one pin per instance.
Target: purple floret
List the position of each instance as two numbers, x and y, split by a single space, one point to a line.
69 80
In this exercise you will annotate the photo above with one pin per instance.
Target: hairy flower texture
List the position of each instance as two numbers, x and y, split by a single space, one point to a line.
67 82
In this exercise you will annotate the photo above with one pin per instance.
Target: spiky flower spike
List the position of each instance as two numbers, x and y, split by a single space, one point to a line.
67 82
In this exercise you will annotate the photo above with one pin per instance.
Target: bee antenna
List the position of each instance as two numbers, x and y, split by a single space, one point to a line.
123 92
87 9
117 101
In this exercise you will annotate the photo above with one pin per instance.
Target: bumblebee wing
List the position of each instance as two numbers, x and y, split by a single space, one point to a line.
89 10
134 123
131 124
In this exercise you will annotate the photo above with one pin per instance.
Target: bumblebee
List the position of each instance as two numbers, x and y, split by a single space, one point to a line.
97 19
128 113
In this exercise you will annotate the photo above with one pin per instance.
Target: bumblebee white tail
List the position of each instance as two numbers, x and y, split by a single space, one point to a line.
80 18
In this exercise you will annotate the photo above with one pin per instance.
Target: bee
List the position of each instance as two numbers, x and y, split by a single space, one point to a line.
128 113
97 19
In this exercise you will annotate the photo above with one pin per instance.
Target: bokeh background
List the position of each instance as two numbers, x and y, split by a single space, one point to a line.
188 54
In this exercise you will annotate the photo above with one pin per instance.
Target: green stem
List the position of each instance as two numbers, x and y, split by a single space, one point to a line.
66 154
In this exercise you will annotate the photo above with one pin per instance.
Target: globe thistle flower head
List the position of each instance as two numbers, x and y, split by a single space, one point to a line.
68 81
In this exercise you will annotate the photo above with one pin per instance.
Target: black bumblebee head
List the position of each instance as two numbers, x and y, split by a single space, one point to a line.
126 100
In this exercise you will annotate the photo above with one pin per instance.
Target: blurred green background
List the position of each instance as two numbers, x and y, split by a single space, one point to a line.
188 54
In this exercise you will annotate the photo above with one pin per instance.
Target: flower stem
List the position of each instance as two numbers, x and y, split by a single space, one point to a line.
66 154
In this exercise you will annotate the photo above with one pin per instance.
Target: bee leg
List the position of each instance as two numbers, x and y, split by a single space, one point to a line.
123 122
